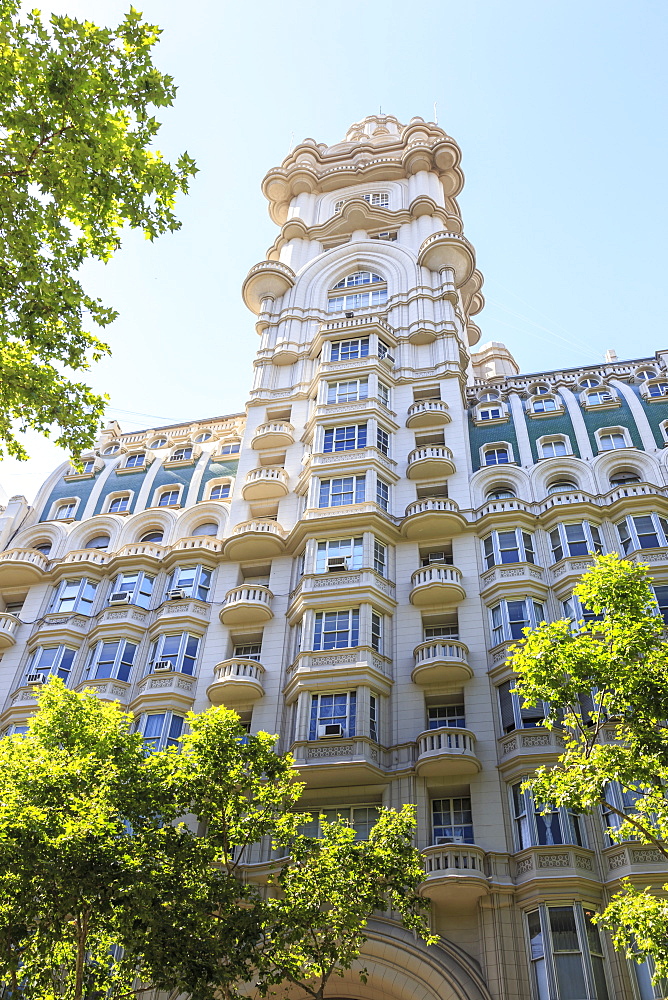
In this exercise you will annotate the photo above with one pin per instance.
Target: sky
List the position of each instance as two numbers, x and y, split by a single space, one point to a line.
559 108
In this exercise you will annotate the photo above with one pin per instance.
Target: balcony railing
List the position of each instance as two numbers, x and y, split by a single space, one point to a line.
247 604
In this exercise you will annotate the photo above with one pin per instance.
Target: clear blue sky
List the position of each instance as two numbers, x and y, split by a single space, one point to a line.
558 106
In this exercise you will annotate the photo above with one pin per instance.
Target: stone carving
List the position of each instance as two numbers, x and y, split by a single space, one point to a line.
340 580
184 686
616 860
512 572
553 861
558 571
118 691
583 863
647 857
335 750
159 682
536 741
581 565
509 747
524 866
334 661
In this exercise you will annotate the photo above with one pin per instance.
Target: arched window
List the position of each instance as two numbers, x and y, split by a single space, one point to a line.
159 443
111 449
611 438
135 461
220 491
98 542
210 528
201 438
152 536
120 504
43 547
645 373
500 493
597 398
589 383
358 290
624 476
562 486
489 397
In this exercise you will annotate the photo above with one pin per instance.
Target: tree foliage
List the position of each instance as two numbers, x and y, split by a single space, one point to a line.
122 869
76 166
619 734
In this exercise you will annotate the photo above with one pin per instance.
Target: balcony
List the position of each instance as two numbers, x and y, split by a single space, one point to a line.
436 584
513 580
278 434
441 661
630 859
132 619
314 589
566 573
61 626
455 874
21 567
237 681
265 483
428 413
339 762
525 749
436 518
107 689
146 556
432 462
247 605
188 612
554 864
446 751
9 626
360 666
255 540
444 249
167 690
267 280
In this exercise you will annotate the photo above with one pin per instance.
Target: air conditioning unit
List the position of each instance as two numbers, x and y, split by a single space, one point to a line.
330 729
121 597
176 595
335 563
389 358
162 665
37 678
450 840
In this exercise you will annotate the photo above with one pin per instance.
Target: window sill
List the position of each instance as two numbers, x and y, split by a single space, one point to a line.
135 468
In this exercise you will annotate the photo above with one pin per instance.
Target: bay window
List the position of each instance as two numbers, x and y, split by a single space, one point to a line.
350 549
332 709
52 661
350 391
179 650
349 350
647 531
515 714
533 829
360 818
161 730
341 491
566 954
75 595
382 494
195 581
508 547
578 539
111 659
379 558
376 632
345 438
509 618
138 585
336 629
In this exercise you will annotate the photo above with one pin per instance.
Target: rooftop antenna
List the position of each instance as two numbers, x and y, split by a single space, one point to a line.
292 142
435 114
380 111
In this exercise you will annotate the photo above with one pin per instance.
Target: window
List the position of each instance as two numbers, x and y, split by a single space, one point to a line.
624 478
382 441
220 492
509 618
661 594
349 350
230 449
98 542
152 536
158 443
75 595
161 730
379 199
575 610
194 580
360 818
600 397
384 351
382 494
544 405
387 236
384 394
577 969
441 632
209 528
515 714
609 440
350 549
643 973
342 491
52 661
373 717
65 510
577 539
379 558
350 391
561 486
181 455
541 389
340 298
111 659
490 413
500 494
169 498
535 830
376 632
452 821
496 456
588 383
87 467
43 547
135 461
449 716
508 547
658 389
138 585
249 651
180 650
120 505
329 709
489 397
111 449
201 438
647 531
553 448
336 629
345 438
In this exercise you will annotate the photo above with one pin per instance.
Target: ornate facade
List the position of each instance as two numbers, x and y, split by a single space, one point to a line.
347 563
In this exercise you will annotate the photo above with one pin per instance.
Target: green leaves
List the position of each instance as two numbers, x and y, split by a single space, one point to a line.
76 166
607 685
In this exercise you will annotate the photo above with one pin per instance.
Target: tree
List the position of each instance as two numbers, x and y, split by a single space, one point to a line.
121 870
76 166
606 682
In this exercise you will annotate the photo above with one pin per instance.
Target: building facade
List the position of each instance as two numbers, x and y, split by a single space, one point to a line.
348 561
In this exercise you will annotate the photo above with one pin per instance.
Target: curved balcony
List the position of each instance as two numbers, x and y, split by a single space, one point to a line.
428 413
278 434
247 605
436 584
139 555
255 540
444 249
446 751
265 483
432 518
441 661
9 626
21 567
236 682
432 462
286 352
267 280
458 867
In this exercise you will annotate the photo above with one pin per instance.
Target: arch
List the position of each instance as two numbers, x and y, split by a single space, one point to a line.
491 476
564 467
203 513
39 534
607 462
101 524
137 525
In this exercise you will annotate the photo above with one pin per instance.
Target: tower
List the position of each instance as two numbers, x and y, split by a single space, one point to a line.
348 562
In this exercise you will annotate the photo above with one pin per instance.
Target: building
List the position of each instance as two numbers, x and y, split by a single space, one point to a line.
347 562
